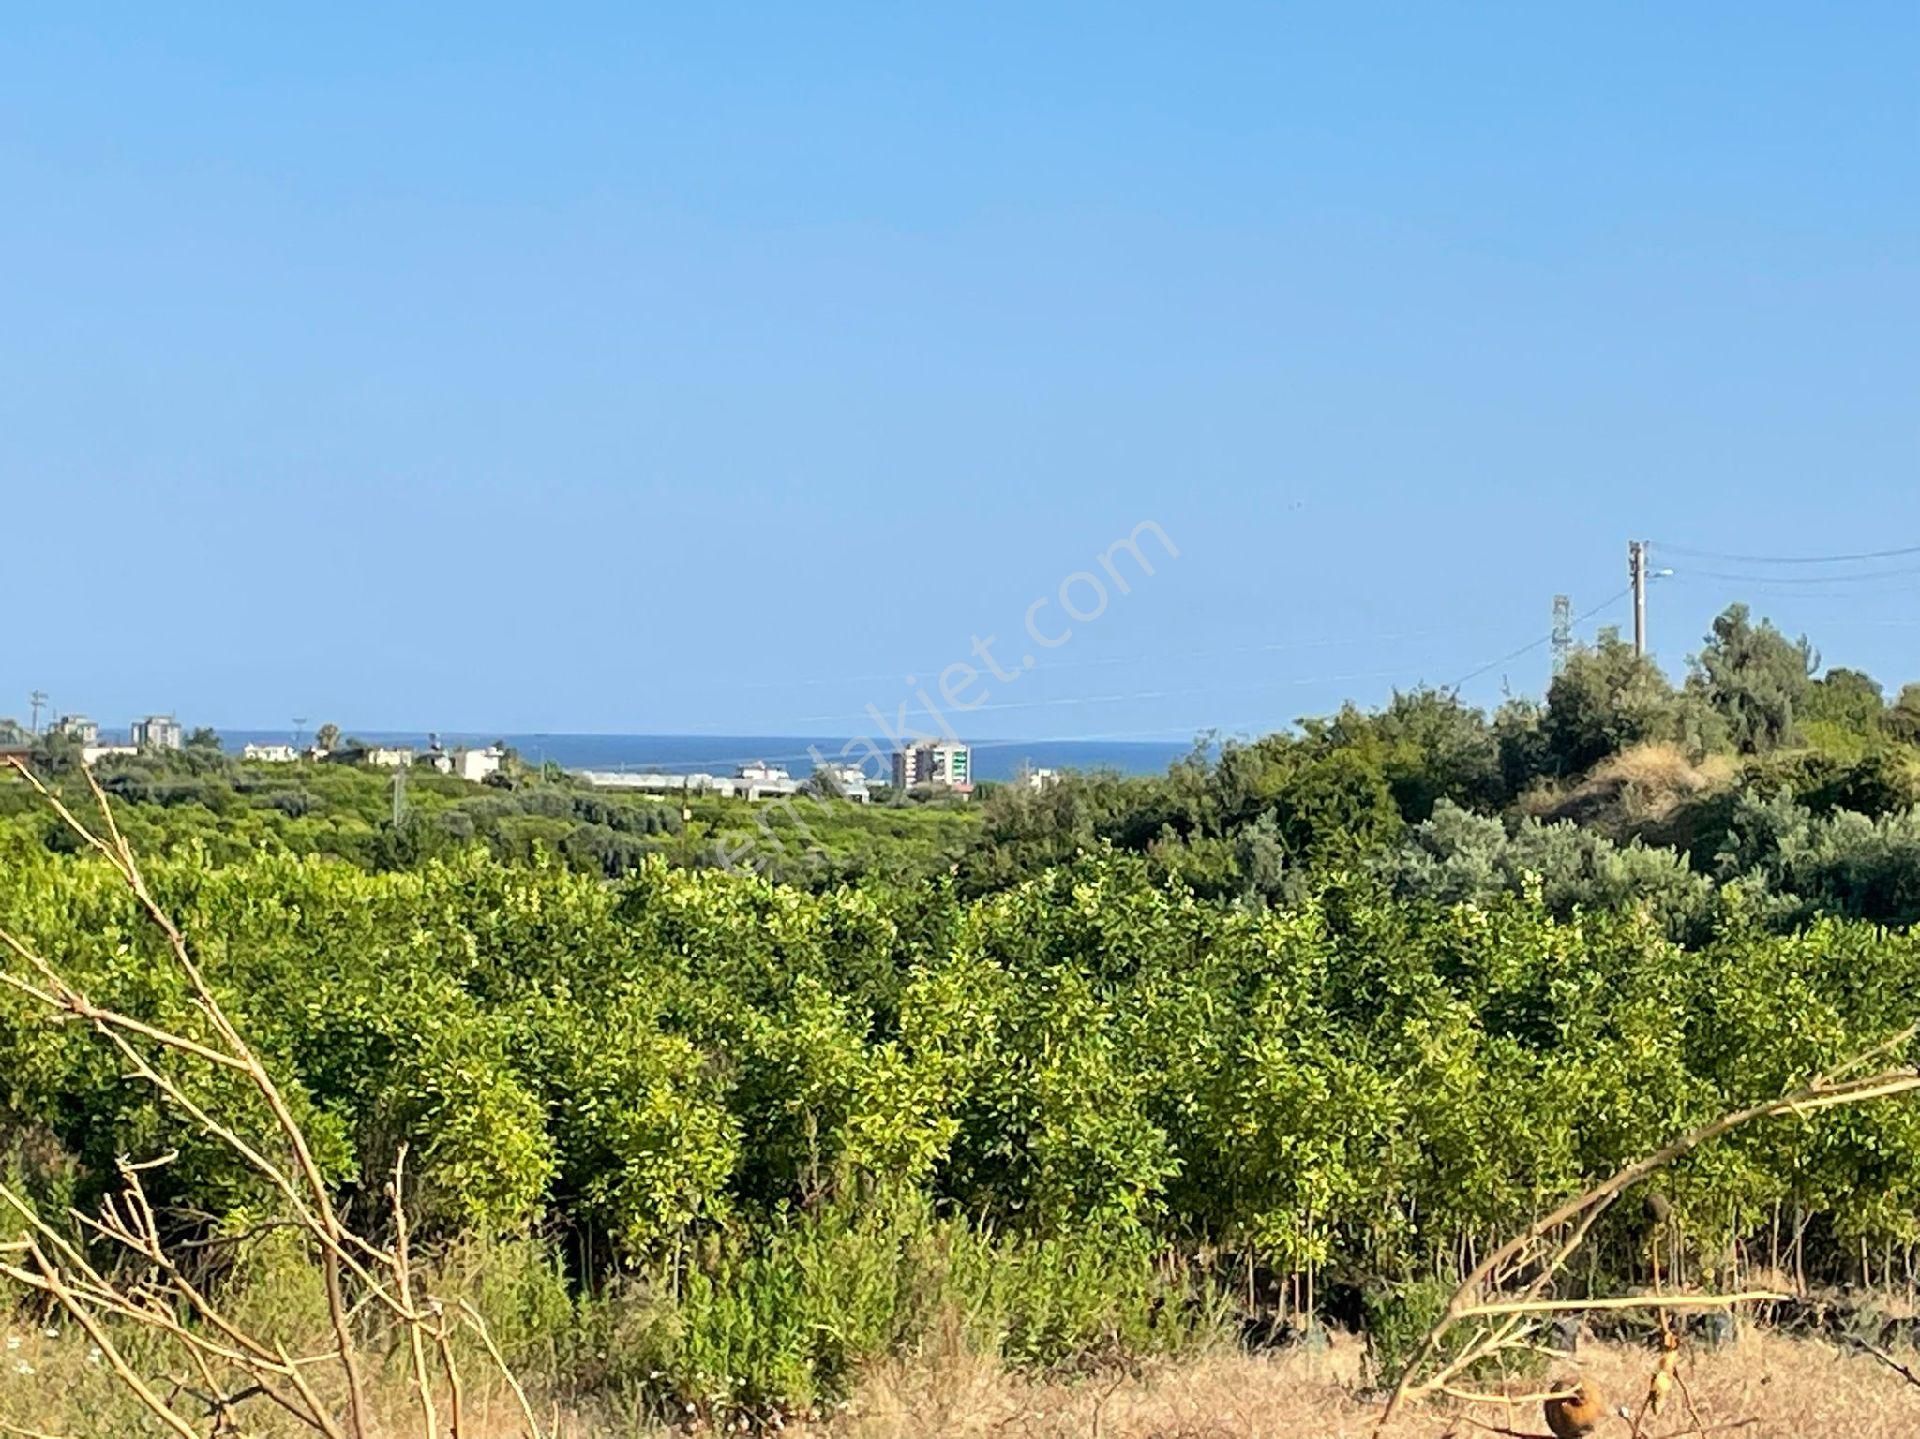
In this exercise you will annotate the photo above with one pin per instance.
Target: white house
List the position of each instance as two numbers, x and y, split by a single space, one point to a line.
477 764
760 779
271 753
849 779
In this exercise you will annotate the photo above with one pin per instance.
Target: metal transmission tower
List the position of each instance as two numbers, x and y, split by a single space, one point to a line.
1562 631
38 699
299 729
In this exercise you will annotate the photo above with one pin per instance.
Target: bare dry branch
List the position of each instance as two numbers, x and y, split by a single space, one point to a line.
1583 1211
226 1365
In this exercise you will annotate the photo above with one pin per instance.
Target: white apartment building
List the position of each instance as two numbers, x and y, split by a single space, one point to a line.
158 732
941 764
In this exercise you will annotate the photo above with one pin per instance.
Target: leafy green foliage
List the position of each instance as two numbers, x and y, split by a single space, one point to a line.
1609 699
1847 699
1757 680
1325 1004
1345 1083
1458 857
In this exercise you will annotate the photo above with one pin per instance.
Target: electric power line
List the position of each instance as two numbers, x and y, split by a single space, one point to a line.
1855 577
1666 548
1545 639
1777 590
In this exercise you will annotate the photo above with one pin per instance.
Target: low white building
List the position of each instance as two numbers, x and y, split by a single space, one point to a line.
477 765
92 754
849 780
656 783
270 753
754 781
387 757
760 780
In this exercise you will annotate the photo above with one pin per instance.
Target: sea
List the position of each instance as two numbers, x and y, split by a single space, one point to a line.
723 754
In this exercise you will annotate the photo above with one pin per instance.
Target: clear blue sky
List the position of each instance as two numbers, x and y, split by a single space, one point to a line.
577 368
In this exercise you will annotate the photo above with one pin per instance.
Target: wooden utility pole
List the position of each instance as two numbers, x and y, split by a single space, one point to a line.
1637 572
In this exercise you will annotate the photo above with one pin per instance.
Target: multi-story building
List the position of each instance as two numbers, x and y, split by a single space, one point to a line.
158 732
78 727
940 764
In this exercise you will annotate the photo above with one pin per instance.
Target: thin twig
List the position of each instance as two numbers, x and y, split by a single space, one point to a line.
403 1282
1631 1301
1887 1359
479 1326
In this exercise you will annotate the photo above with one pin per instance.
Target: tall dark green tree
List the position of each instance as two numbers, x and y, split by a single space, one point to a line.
1902 719
1337 808
1849 699
1608 699
1434 747
1756 679
1520 741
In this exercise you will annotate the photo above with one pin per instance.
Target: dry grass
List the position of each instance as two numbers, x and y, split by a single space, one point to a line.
1630 791
1792 1388
54 1382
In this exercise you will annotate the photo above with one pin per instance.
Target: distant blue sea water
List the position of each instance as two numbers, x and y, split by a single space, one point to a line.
720 754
